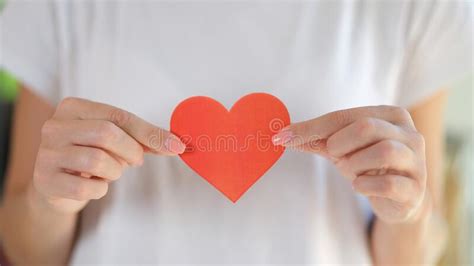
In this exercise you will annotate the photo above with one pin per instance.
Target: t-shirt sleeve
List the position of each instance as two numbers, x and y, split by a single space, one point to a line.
29 47
439 49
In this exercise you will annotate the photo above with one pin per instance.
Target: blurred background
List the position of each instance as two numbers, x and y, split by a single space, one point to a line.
8 90
459 167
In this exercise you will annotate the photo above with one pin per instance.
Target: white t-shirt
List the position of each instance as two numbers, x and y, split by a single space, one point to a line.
316 56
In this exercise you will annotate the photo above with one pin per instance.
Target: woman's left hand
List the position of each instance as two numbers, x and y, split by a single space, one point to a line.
378 148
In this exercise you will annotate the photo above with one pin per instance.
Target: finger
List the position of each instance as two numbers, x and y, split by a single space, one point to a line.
398 188
64 185
95 133
92 161
324 126
384 156
154 138
361 134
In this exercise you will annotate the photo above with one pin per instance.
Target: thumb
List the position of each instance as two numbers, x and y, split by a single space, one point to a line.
317 146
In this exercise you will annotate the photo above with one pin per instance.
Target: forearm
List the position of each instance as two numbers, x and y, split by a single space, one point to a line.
34 232
420 242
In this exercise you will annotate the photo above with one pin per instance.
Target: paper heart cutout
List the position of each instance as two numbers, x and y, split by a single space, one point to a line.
230 149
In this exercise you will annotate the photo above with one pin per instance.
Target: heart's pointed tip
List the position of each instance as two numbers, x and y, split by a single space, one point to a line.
233 199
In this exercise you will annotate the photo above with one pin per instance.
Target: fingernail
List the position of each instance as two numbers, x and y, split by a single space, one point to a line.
175 145
283 137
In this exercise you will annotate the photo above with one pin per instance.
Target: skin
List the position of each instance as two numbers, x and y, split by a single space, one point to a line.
80 147
67 156
381 150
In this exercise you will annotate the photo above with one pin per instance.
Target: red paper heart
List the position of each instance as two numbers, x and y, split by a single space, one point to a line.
230 149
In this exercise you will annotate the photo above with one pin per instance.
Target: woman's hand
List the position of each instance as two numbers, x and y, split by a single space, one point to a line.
86 145
378 148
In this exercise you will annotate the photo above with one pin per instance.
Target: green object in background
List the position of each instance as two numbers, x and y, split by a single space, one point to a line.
2 4
8 86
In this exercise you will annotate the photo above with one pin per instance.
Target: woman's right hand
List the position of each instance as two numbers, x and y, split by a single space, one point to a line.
85 146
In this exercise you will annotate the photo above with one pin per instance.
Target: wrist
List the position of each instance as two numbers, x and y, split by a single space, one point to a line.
426 232
420 215
42 204
425 211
